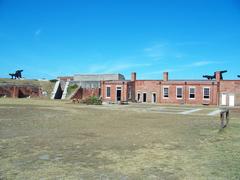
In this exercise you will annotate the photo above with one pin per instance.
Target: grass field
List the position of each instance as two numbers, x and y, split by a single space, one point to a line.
43 139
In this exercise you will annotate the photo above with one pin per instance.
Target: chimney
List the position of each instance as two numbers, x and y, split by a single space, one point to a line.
218 76
133 76
165 76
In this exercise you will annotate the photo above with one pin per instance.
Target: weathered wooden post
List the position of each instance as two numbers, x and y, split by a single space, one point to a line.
224 118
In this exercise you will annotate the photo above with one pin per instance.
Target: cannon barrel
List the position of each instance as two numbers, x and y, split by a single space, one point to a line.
208 77
223 71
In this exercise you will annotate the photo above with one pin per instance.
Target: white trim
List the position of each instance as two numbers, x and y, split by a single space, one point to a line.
191 87
163 92
108 86
155 97
207 87
176 92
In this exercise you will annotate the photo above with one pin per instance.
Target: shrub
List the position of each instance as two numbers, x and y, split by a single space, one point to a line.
53 80
72 88
93 100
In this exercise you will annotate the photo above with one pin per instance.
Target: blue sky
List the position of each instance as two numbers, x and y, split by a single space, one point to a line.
188 38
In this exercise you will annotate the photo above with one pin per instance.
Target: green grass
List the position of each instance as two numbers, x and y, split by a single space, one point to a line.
58 139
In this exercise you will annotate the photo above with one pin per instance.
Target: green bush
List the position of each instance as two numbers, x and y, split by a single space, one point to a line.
71 88
53 80
93 100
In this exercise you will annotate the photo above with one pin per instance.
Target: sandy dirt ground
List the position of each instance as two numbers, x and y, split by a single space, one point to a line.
43 139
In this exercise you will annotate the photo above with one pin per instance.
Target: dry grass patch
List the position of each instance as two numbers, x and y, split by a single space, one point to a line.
56 139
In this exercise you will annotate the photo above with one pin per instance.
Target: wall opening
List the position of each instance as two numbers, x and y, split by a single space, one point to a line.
119 93
138 97
59 92
154 98
144 97
21 94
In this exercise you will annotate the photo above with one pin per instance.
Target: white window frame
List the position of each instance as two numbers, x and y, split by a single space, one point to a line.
108 86
178 87
209 93
152 97
192 87
163 92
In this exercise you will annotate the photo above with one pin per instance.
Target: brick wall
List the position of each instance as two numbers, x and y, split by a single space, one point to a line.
83 93
20 91
231 87
150 87
113 86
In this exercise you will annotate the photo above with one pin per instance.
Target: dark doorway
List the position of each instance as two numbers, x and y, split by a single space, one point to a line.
138 97
59 92
21 94
119 94
154 98
144 97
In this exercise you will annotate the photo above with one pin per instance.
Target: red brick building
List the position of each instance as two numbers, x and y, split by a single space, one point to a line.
207 92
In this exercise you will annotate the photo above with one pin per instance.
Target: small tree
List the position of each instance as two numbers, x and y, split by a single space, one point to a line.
93 100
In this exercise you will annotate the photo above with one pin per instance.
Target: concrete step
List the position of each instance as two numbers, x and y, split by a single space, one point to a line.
65 90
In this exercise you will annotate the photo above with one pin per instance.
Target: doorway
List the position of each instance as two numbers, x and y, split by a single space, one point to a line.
119 94
59 92
144 97
224 99
154 98
231 100
138 97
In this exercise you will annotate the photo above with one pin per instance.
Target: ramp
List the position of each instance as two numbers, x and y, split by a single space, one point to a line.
65 90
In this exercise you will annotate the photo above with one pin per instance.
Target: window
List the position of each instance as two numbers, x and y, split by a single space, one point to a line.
108 92
206 93
192 93
179 92
165 92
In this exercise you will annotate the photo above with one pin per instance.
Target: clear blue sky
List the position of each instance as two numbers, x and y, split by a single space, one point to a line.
188 38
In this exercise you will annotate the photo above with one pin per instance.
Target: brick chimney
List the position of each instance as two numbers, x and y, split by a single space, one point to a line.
218 76
165 76
133 76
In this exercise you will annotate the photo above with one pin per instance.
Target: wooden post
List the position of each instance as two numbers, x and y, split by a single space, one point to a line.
224 118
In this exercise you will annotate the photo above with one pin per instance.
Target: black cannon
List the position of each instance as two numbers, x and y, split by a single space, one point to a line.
221 72
238 76
16 75
209 77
